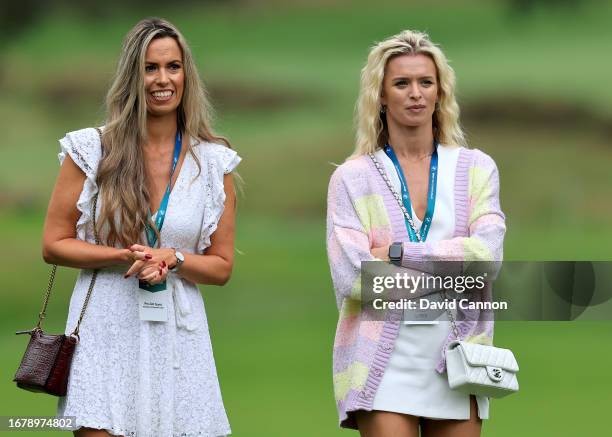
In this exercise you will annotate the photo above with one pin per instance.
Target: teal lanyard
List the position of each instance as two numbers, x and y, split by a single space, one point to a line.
431 192
161 215
161 212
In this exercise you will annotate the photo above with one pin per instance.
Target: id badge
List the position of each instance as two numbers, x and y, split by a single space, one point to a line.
422 315
418 317
153 305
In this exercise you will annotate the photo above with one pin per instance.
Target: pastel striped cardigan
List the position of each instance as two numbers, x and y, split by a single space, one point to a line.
361 214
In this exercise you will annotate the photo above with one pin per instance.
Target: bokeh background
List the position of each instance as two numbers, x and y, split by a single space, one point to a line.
534 88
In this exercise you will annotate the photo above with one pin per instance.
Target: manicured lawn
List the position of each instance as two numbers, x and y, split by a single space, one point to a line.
284 80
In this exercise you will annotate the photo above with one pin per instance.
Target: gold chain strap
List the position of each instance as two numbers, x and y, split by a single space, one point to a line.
94 274
42 313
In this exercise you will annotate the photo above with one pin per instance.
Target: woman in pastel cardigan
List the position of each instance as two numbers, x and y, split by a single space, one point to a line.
407 101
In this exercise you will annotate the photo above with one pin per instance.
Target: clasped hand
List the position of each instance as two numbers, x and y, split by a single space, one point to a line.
381 253
148 264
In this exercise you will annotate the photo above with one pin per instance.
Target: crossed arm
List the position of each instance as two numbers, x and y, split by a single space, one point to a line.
60 245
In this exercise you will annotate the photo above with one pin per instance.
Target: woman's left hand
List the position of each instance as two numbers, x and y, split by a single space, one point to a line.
381 253
160 258
154 274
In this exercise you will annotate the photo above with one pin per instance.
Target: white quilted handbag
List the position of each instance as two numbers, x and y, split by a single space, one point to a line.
481 370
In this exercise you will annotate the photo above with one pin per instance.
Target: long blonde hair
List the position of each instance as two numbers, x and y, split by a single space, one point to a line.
121 173
372 133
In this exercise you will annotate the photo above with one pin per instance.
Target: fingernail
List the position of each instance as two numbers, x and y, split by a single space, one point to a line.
126 276
163 263
147 256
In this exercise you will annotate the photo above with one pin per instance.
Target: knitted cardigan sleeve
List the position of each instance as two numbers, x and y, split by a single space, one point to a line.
347 241
486 223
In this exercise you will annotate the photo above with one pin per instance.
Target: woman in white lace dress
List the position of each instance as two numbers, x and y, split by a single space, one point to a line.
164 205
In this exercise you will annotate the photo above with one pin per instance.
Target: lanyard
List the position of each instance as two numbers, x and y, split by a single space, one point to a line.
161 212
431 192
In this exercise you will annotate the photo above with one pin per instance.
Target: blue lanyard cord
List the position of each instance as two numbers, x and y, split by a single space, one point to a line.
161 212
431 192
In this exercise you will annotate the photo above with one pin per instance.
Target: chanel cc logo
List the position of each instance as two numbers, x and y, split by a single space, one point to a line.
496 374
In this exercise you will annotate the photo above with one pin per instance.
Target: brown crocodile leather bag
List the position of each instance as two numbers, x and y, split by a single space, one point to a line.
45 366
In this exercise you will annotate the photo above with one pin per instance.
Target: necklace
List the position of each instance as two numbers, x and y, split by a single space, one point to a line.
419 159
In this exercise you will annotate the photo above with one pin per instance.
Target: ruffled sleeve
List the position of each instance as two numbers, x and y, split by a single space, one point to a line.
217 161
83 147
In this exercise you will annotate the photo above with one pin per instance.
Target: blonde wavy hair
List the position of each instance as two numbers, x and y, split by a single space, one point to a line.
371 128
121 173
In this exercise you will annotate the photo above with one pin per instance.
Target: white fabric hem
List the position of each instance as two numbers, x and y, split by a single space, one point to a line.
125 433
428 413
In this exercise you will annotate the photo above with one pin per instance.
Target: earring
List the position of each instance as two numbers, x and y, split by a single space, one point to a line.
383 110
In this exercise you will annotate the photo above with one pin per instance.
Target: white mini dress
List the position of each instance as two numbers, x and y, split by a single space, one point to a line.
411 384
138 378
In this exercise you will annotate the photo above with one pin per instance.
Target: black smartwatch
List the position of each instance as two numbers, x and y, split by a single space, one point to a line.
396 251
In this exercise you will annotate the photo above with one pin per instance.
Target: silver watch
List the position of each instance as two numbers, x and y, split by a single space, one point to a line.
180 259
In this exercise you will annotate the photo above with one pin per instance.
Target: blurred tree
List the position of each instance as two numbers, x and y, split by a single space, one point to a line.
17 16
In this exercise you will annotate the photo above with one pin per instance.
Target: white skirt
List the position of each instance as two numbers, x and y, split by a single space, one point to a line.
411 384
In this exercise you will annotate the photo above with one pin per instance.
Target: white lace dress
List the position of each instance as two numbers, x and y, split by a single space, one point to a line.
139 378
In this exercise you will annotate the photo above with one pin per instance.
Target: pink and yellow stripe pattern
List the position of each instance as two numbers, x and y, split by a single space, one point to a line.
361 214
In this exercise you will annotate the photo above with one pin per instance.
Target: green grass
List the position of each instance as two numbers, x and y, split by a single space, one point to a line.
548 53
272 328
273 324
293 396
281 52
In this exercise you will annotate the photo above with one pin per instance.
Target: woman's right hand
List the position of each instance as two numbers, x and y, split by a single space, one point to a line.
129 256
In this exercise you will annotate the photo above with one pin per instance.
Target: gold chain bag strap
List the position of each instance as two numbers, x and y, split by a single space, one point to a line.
45 365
